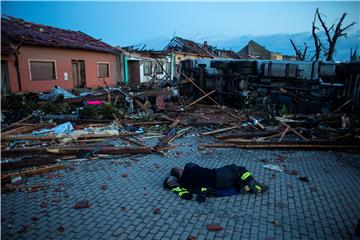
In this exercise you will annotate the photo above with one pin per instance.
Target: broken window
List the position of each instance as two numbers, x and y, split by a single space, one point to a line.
158 68
42 70
103 69
147 68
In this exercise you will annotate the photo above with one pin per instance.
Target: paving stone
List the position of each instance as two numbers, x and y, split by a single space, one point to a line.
326 207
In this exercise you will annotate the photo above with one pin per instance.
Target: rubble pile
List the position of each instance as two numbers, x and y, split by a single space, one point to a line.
40 133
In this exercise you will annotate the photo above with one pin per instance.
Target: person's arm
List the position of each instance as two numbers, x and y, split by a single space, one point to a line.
250 185
182 192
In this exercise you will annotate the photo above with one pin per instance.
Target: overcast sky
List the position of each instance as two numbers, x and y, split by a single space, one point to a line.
127 23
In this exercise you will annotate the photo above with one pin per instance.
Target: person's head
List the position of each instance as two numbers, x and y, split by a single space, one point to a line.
171 182
176 172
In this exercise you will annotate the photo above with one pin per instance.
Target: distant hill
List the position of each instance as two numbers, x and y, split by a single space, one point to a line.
274 42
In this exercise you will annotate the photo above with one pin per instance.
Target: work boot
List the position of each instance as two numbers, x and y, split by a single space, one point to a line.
202 193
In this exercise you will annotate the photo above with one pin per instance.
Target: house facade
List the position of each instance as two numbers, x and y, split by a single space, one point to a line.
36 58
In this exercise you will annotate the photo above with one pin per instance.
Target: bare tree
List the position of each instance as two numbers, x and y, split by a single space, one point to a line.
337 32
317 43
300 54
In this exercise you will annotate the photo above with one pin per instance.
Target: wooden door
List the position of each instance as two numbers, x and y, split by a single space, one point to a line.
78 72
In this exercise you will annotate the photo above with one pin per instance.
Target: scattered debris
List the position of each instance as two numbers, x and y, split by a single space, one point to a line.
156 211
273 167
124 209
24 228
82 204
61 229
276 223
44 204
304 179
214 227
191 237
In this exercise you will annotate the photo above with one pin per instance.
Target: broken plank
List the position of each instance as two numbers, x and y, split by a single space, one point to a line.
175 123
294 131
147 123
101 150
219 130
30 162
141 105
284 133
22 120
8 138
31 172
346 103
237 140
75 150
190 80
216 103
199 99
286 145
14 131
248 135
26 129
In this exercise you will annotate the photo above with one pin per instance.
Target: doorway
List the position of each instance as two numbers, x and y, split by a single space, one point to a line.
134 73
78 73
5 84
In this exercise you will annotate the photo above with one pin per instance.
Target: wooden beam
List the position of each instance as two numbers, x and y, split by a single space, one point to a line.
248 135
284 133
286 145
76 150
219 130
31 172
190 80
147 123
141 105
199 99
175 123
8 138
29 162
216 103
294 131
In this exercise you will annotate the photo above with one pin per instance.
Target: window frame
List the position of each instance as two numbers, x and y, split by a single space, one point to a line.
161 67
151 67
42 60
98 72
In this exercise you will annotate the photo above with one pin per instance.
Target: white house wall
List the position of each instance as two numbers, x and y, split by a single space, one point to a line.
147 78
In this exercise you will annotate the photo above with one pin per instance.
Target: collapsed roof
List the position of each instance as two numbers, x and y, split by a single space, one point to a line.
184 45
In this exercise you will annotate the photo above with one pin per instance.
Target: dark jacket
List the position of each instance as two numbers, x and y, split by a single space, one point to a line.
195 176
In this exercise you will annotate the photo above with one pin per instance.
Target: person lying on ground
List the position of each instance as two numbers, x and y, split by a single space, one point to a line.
211 182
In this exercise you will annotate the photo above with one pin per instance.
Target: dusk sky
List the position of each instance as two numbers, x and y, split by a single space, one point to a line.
128 23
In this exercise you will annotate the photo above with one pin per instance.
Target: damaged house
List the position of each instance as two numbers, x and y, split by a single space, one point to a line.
253 50
146 66
36 57
184 49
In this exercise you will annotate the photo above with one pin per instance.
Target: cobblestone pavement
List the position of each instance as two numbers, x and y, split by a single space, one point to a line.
325 207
